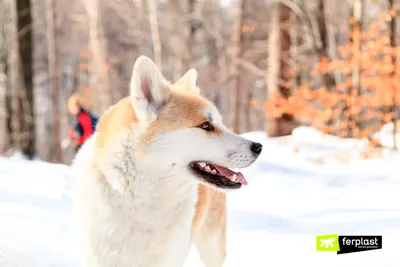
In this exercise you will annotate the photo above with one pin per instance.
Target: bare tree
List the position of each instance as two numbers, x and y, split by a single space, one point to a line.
234 70
188 8
393 44
53 77
217 33
294 51
316 28
99 76
154 32
323 48
355 90
17 45
3 80
181 42
26 97
278 68
273 65
15 78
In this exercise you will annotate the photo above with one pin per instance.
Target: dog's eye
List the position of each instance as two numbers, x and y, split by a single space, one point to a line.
206 126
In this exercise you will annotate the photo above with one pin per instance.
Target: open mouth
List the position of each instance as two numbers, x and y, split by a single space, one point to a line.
217 175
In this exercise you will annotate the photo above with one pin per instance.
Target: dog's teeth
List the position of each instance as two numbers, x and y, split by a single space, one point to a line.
234 178
213 172
207 168
202 164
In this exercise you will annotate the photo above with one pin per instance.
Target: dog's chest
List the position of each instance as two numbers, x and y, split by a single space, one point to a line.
146 231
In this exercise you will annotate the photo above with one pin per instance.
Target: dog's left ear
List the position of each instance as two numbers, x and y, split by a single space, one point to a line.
149 89
188 82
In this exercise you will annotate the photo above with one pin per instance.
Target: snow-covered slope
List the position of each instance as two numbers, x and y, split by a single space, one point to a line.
35 214
385 135
303 185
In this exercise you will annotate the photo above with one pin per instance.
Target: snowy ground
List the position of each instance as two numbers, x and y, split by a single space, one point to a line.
303 185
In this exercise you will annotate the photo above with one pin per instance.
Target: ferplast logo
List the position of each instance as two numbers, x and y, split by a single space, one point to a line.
348 243
328 242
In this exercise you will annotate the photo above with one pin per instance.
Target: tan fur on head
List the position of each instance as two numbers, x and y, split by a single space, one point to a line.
184 107
187 82
184 110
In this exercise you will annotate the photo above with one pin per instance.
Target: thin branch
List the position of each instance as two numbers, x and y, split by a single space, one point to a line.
305 20
154 32
250 66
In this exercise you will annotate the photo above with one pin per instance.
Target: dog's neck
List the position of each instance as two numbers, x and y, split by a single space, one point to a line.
143 179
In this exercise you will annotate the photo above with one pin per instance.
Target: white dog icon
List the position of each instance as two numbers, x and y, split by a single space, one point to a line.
327 242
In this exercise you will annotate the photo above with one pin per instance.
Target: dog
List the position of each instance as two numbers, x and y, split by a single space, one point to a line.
152 180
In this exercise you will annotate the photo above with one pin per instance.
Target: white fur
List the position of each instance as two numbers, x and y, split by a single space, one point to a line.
188 81
148 226
134 205
184 146
146 73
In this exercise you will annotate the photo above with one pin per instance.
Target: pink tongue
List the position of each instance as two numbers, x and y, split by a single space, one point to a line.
229 174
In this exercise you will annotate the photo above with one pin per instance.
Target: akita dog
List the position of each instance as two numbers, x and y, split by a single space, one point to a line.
152 179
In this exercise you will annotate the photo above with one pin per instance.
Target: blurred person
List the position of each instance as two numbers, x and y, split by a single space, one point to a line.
85 122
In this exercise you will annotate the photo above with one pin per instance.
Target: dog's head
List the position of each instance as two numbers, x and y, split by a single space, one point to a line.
180 129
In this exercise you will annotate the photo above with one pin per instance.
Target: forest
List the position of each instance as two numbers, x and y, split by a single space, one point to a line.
269 65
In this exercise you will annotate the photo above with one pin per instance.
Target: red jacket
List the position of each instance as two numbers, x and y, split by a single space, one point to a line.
84 127
85 121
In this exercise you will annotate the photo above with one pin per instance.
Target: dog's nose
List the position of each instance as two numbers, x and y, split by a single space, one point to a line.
256 148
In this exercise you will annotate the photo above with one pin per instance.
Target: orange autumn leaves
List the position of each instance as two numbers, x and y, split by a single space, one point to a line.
369 96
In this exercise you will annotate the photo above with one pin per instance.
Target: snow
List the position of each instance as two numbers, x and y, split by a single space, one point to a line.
303 185
385 135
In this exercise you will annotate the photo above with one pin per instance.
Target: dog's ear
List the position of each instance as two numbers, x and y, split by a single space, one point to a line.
188 82
148 88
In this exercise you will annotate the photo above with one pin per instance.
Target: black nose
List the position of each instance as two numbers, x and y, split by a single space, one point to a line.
256 148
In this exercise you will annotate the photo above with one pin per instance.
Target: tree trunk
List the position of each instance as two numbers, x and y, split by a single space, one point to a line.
323 51
223 69
154 33
354 127
53 78
19 100
99 77
237 38
395 90
3 110
188 8
323 48
3 81
26 55
15 112
182 41
273 67
279 69
294 41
